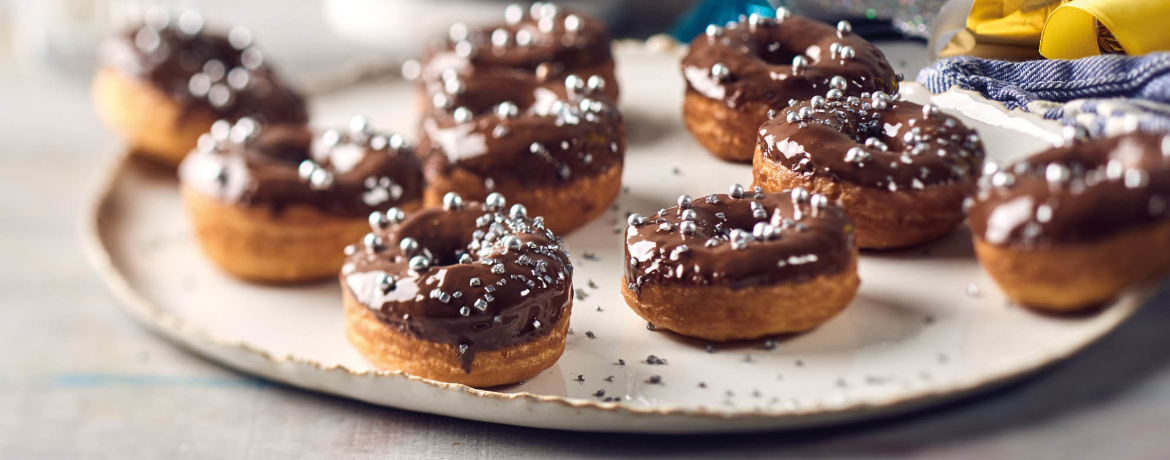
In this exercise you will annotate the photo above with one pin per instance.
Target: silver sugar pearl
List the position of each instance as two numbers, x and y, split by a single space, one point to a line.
782 13
720 72
792 117
687 227
372 242
518 211
378 220
847 52
320 179
844 27
735 191
419 263
635 220
799 63
305 169
395 215
595 83
452 202
463 115
838 82
1056 173
408 245
684 201
929 110
834 94
495 202
514 13
689 214
817 102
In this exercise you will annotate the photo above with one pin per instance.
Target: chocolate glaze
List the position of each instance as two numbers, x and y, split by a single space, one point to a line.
898 147
514 284
556 135
204 71
737 246
1080 192
547 42
345 173
758 58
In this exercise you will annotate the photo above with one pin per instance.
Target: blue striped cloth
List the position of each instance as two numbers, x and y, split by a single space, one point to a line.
1104 94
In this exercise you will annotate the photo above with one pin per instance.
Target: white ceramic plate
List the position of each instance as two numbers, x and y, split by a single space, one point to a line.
927 325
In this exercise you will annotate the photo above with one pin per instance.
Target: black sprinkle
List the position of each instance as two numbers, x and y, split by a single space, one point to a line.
654 380
589 256
609 379
626 189
621 362
747 359
729 393
599 308
710 348
841 383
570 330
580 294
799 363
618 230
929 319
677 171
599 393
592 285
580 378
943 358
756 393
610 399
650 326
590 334
655 361
702 385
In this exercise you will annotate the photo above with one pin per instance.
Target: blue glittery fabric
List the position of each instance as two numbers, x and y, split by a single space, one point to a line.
719 12
1104 94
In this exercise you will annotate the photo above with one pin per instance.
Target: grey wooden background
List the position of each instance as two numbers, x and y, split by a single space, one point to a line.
78 379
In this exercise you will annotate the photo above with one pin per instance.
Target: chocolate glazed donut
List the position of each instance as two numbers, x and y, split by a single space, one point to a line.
739 76
736 266
162 84
547 42
557 149
900 170
1071 227
278 204
463 294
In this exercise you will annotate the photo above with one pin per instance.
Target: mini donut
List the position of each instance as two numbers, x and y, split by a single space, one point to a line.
545 41
557 149
162 84
738 76
736 266
900 170
463 293
279 204
1071 227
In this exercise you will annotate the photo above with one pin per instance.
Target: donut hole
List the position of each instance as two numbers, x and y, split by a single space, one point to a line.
289 144
773 52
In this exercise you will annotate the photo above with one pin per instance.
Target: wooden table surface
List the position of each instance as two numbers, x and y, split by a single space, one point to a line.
78 379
